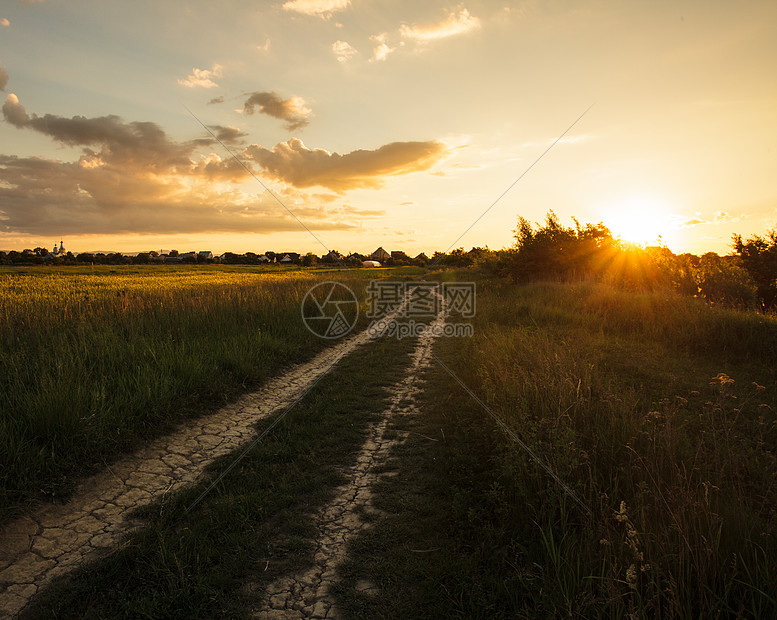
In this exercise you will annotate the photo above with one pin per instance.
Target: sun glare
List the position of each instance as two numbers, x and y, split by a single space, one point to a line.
642 220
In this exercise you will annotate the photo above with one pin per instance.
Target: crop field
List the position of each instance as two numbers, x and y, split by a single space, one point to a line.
655 413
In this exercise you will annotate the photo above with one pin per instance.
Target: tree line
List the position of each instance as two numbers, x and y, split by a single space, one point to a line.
550 251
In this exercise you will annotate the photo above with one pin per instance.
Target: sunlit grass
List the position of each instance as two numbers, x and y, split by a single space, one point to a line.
660 412
93 362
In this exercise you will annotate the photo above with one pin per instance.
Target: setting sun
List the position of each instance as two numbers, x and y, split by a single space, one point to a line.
641 219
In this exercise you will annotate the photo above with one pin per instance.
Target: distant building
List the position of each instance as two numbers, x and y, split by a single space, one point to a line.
59 251
380 255
288 257
333 257
421 258
205 255
370 263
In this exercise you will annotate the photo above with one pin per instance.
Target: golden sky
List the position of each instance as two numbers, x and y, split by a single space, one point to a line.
241 126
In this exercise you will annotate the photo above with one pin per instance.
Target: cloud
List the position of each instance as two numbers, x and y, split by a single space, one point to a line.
127 144
4 22
293 163
343 51
319 8
3 78
14 112
291 110
265 47
721 217
216 100
48 197
132 177
228 134
455 23
201 78
382 49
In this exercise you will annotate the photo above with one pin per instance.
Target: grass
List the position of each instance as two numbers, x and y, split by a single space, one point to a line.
657 410
96 360
255 527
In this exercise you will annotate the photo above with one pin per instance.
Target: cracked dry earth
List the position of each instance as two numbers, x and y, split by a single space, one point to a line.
307 595
56 539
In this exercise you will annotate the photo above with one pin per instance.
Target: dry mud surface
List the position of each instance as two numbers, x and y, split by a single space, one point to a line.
55 539
307 595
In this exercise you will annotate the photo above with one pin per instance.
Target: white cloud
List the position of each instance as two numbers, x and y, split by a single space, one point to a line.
4 22
318 8
455 23
202 78
264 47
721 217
382 49
343 50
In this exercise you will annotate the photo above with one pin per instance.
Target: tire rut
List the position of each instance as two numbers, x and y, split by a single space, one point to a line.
308 594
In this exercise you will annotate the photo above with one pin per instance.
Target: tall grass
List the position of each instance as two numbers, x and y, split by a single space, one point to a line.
92 363
660 412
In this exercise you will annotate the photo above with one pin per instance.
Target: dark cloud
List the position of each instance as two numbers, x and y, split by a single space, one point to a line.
131 177
228 134
293 163
48 197
14 112
3 78
137 143
291 110
216 100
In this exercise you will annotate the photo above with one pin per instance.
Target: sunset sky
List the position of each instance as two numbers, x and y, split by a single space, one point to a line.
383 122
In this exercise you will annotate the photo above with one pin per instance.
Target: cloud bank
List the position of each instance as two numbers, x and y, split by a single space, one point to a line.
293 163
132 177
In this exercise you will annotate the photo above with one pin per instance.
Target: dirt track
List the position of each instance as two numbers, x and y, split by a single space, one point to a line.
307 595
57 538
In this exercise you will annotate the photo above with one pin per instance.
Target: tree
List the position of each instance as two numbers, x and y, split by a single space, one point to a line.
759 257
310 259
722 280
545 253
